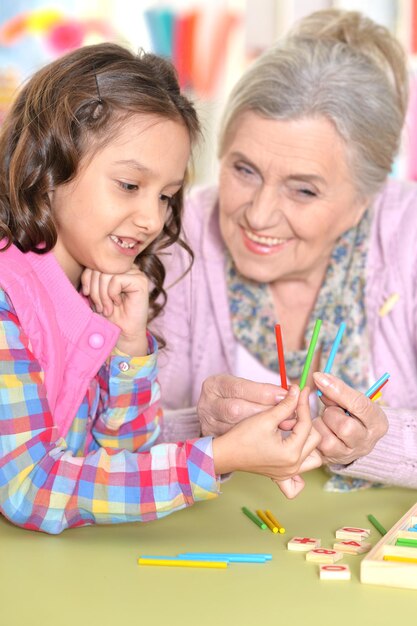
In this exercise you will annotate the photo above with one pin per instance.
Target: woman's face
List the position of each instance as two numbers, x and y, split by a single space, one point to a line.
286 195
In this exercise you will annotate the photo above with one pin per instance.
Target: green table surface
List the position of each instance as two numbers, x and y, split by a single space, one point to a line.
90 575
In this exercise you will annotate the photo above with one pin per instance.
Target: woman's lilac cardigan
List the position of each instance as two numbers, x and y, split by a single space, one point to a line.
200 342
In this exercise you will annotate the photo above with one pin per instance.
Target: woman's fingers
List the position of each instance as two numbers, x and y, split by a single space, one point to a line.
227 400
331 446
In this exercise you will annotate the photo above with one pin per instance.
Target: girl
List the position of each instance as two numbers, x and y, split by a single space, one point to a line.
94 155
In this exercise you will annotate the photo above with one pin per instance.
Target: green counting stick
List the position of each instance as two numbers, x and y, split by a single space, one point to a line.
411 543
253 517
310 354
377 524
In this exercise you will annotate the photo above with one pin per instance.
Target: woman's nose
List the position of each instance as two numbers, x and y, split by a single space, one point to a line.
264 210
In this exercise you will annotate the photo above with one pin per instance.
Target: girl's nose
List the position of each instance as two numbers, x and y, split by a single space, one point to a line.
149 216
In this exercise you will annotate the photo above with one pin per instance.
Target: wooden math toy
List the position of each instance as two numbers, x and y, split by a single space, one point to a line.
335 572
393 560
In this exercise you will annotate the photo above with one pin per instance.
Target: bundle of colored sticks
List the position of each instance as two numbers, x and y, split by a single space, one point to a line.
374 392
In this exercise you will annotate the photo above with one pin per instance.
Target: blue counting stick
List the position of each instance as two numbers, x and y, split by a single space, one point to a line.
231 556
237 558
377 385
333 351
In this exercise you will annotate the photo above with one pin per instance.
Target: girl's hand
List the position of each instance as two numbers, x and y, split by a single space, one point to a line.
257 445
345 438
291 487
124 300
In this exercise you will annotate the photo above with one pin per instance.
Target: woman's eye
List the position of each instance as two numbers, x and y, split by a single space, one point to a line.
307 192
243 169
127 186
166 199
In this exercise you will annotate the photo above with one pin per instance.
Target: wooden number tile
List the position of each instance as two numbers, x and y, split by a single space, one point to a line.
334 572
352 547
303 544
324 555
351 532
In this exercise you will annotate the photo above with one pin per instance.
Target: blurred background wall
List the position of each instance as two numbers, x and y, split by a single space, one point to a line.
210 43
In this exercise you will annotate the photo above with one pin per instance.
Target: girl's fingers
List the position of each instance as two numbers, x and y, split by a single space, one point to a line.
312 461
291 487
85 281
115 289
105 299
288 424
303 425
94 294
286 408
311 443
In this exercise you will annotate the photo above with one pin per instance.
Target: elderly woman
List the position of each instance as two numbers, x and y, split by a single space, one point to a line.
304 225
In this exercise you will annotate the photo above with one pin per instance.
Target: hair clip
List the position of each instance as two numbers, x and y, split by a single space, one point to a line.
98 90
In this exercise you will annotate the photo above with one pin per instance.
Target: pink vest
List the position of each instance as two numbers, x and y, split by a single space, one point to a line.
68 339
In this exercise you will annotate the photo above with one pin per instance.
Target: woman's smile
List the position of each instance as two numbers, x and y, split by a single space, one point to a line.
263 244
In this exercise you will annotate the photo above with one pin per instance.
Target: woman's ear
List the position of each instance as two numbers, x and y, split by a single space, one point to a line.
361 205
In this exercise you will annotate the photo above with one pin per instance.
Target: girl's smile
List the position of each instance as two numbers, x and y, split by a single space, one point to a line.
126 245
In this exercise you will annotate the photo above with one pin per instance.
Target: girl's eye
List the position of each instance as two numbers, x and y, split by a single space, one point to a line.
127 186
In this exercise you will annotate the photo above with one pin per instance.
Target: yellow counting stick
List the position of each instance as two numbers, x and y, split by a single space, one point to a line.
377 396
274 520
267 521
399 559
183 563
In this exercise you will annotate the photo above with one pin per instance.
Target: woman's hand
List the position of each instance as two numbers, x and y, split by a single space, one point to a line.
226 400
257 445
345 438
124 300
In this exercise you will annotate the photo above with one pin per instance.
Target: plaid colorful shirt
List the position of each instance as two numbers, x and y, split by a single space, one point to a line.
107 470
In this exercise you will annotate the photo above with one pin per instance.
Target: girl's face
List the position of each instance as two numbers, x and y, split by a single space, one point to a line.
286 195
118 201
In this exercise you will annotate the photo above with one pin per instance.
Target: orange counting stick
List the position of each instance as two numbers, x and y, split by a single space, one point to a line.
281 360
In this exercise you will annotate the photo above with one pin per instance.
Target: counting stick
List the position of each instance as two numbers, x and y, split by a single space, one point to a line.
281 360
310 354
377 386
333 351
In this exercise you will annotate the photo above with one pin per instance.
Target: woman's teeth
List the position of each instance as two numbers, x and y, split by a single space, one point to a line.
121 243
266 241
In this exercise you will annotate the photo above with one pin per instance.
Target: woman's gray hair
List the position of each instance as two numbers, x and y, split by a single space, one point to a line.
339 65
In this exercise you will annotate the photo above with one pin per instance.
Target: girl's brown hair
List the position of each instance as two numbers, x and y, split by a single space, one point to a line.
67 109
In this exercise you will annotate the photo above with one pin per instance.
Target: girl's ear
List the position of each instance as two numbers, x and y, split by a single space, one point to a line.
51 198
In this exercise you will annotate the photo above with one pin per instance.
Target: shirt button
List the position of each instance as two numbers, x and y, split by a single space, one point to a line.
123 366
96 340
